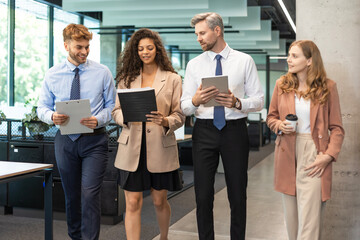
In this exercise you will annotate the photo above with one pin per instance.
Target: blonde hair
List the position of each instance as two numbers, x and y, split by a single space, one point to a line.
76 32
316 76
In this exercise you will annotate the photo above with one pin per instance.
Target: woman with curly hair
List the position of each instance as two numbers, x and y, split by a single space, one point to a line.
304 154
147 153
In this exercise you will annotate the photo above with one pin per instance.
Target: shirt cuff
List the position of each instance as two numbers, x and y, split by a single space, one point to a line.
48 117
244 105
190 108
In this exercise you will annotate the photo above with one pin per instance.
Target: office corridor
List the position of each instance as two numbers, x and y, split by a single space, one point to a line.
264 210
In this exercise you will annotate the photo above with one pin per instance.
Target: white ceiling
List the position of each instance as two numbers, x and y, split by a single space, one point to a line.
244 28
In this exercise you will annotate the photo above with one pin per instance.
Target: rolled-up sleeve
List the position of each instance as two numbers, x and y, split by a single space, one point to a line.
337 132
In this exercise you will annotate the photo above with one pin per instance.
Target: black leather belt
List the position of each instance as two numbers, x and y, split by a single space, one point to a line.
209 122
97 131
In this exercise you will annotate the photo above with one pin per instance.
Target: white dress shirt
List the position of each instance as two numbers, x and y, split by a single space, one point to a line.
243 83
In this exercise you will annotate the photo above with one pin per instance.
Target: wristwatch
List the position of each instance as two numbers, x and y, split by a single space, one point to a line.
237 104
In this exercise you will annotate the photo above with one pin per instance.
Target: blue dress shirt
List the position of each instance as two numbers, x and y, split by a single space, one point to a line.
96 84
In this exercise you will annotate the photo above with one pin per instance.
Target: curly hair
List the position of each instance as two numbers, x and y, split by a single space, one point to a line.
129 62
76 32
316 76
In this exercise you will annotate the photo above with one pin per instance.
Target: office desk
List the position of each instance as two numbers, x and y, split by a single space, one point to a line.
187 137
12 171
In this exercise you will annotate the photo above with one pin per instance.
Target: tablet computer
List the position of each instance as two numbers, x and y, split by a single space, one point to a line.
220 82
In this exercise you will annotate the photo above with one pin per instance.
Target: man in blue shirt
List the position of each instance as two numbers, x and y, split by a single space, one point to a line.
81 159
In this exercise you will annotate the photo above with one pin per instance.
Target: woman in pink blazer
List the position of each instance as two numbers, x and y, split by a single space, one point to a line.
147 152
304 155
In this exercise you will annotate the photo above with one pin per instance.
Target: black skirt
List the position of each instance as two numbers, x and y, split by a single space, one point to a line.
142 179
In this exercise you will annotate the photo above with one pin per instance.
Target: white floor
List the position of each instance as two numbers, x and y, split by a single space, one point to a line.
264 210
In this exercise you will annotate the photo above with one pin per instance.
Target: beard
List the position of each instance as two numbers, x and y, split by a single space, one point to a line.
208 46
77 59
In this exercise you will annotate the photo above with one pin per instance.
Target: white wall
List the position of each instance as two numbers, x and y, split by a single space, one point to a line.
335 27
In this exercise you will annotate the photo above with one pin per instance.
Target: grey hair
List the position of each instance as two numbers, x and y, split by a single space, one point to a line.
212 19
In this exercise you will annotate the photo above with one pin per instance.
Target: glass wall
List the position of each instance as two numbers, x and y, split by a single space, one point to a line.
3 52
176 60
61 20
274 75
95 42
31 49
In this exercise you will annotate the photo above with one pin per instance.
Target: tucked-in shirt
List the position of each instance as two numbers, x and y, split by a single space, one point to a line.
96 84
243 82
302 109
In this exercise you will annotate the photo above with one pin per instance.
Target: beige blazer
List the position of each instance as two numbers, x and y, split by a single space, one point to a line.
323 118
161 145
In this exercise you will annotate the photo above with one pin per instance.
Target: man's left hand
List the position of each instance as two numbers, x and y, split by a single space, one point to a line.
226 99
90 122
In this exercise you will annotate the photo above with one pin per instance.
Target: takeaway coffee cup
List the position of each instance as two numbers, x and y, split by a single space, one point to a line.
292 119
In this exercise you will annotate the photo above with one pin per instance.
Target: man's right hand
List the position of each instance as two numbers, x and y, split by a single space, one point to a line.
202 96
59 119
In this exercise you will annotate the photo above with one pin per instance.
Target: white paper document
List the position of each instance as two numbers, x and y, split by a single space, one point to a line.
126 90
76 110
180 133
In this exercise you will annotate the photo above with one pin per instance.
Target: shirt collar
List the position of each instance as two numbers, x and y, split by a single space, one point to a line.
72 66
224 53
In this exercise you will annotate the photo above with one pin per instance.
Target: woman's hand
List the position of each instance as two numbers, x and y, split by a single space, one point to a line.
286 128
158 118
318 167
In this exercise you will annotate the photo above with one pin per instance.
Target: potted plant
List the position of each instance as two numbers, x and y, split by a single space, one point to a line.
35 126
2 116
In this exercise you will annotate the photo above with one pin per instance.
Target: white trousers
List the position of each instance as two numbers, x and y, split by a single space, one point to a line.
303 212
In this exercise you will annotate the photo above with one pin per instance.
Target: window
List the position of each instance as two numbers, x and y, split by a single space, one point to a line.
61 20
3 52
176 60
176 63
31 49
95 42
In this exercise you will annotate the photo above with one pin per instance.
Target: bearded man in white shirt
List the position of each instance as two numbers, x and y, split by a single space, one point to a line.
220 130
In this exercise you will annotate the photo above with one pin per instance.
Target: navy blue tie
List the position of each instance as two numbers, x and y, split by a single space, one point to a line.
219 111
75 94
75 86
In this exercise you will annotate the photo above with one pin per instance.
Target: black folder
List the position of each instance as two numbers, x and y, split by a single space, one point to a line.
136 103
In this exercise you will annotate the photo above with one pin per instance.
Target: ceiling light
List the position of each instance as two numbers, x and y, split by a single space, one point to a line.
287 15
278 57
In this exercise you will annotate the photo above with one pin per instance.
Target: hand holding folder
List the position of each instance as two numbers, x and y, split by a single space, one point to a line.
76 110
136 103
